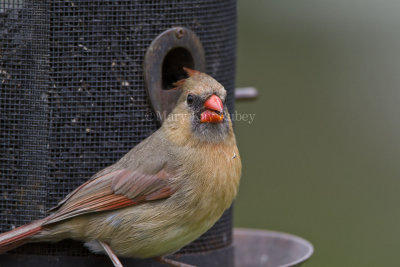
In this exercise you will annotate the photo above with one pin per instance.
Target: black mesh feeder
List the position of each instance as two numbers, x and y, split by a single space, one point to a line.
82 82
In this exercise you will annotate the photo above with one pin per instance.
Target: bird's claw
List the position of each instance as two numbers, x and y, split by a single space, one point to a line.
173 263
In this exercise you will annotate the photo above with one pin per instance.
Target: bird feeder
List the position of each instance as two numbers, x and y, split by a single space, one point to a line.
80 81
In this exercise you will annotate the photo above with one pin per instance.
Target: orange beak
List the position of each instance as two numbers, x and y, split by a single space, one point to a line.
214 107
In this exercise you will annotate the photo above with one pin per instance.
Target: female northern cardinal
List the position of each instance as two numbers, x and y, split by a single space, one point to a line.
163 194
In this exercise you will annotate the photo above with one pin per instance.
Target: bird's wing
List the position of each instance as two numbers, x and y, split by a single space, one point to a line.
113 190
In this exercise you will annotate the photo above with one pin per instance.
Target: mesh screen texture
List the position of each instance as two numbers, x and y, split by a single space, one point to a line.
73 101
23 113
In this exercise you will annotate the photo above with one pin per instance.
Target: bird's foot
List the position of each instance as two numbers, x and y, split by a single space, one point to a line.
111 254
172 262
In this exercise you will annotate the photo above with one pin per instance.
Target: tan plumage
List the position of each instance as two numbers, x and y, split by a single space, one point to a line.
163 194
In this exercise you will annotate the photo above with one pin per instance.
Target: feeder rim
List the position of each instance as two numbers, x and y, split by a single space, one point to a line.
281 235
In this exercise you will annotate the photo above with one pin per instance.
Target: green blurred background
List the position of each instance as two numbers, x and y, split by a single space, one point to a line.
321 158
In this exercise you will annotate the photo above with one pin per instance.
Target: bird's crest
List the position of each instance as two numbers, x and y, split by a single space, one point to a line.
178 84
191 72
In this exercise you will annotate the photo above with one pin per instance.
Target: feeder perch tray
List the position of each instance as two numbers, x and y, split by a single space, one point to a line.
261 248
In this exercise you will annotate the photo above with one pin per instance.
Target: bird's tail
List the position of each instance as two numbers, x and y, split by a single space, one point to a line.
18 236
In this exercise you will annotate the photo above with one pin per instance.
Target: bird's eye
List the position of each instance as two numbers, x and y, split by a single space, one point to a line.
189 99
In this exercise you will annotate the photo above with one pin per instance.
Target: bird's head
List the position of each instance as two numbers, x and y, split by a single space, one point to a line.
201 109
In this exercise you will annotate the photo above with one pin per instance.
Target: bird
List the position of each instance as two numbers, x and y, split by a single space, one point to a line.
164 193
